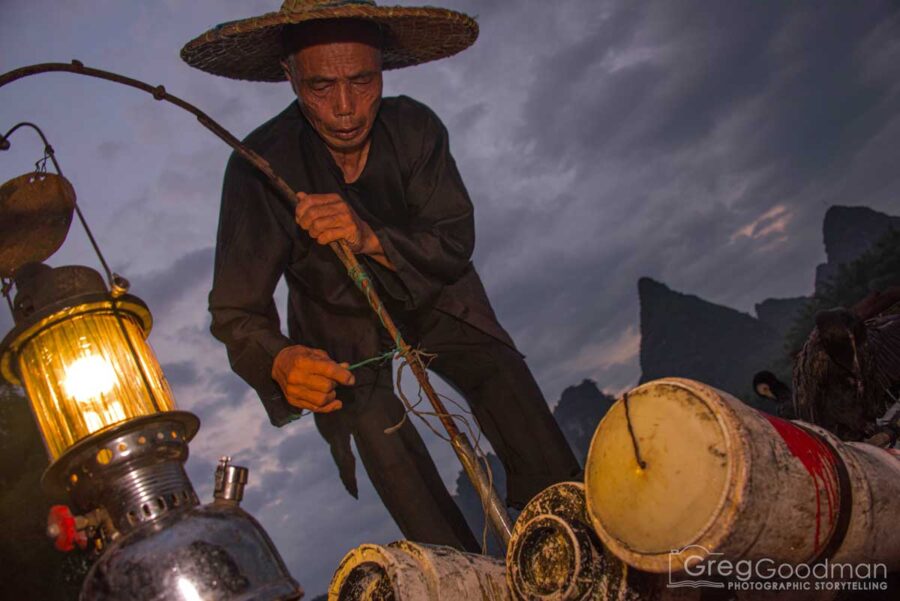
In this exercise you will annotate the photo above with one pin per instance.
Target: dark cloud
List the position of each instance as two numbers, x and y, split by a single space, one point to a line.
693 142
160 289
182 373
197 335
228 386
467 118
661 133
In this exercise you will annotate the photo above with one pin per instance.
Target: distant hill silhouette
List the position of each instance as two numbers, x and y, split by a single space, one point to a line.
848 232
685 335
779 314
578 412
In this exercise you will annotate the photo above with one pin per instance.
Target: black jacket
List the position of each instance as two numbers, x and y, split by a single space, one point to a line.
412 196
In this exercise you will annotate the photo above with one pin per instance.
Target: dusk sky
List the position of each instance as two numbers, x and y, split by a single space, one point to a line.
698 143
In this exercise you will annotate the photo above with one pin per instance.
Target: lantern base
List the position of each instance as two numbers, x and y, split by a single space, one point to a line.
160 543
217 551
133 470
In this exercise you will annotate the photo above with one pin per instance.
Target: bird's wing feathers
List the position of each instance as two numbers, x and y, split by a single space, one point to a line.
884 341
805 383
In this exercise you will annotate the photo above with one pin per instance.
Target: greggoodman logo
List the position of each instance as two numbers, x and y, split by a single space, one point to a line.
704 569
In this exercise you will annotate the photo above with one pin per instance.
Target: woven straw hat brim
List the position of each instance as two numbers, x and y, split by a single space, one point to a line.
251 49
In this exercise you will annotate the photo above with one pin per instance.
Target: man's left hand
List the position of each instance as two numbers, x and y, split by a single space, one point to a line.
328 217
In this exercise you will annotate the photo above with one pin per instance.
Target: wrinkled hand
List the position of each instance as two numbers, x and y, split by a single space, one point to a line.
308 377
328 217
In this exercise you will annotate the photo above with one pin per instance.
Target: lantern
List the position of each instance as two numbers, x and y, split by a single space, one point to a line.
116 441
83 360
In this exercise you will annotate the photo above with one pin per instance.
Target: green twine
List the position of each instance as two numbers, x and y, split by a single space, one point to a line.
381 357
359 276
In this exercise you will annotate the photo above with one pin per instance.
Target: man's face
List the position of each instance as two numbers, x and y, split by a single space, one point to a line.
339 88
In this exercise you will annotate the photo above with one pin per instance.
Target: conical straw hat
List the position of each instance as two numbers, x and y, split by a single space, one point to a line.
251 49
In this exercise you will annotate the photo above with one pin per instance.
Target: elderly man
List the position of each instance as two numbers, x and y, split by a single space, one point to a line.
377 173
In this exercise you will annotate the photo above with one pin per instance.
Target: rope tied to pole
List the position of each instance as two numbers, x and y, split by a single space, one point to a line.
463 417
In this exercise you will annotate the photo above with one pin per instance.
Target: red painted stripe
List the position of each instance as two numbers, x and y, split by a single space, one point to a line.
821 464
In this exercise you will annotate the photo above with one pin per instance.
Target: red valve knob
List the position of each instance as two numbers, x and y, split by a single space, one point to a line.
62 528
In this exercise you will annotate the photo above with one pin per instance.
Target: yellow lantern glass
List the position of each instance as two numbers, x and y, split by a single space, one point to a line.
80 373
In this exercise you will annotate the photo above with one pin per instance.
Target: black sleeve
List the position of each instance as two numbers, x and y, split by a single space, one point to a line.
252 250
435 247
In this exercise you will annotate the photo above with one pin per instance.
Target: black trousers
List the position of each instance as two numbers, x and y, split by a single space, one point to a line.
507 404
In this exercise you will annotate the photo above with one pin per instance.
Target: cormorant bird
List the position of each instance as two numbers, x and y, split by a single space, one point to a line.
768 386
846 373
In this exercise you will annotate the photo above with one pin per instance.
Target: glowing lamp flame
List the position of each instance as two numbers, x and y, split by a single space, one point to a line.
88 378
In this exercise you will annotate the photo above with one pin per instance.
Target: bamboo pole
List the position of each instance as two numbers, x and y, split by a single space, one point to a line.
495 510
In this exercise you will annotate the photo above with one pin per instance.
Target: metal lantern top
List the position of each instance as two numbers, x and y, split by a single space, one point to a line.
35 214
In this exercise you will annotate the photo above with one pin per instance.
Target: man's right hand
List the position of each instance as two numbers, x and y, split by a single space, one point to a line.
308 377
